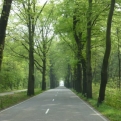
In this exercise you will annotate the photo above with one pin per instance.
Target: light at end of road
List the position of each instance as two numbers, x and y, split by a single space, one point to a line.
61 83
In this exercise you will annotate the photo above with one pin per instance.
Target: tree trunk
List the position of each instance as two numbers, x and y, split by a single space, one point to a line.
84 90
78 40
68 75
31 69
44 66
119 60
44 75
79 73
52 77
88 52
3 24
104 71
31 28
74 79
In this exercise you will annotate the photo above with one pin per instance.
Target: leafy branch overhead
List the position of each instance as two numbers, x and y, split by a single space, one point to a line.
75 41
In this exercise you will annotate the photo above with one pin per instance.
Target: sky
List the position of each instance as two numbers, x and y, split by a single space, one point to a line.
41 1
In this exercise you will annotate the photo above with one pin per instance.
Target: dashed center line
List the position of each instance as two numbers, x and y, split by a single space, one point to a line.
53 100
47 111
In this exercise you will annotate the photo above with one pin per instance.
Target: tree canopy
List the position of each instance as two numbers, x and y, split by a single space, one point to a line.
77 41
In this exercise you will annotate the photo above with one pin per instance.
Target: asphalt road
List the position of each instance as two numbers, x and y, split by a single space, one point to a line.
58 104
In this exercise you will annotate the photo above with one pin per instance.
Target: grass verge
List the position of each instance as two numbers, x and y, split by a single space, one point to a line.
107 108
10 100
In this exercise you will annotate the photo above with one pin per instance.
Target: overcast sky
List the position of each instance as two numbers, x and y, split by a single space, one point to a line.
40 1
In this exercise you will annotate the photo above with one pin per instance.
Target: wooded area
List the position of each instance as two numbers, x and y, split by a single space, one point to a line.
77 41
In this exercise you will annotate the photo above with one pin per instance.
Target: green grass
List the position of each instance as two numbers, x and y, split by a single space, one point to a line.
111 107
9 100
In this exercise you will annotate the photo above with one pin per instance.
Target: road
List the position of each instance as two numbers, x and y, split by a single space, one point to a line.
58 104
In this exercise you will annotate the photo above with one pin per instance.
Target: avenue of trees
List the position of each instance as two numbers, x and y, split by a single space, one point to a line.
77 41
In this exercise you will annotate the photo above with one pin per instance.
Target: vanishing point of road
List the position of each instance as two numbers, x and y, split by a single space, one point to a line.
58 104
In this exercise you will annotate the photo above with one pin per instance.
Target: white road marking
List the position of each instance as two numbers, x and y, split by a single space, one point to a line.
96 112
55 95
17 104
53 100
47 111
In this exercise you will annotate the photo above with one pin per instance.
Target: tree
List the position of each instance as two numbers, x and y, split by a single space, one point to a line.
52 77
119 59
78 40
104 71
43 41
30 16
88 51
3 24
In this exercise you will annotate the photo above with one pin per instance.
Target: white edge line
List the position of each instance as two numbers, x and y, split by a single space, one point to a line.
18 104
99 114
47 111
22 102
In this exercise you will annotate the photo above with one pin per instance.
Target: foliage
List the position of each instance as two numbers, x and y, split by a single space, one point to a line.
56 22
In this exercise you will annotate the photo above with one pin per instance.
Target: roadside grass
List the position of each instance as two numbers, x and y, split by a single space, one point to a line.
10 100
9 90
111 107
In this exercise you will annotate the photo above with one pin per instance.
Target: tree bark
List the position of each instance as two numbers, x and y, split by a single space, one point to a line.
68 77
3 24
44 66
74 78
88 51
104 71
119 60
79 73
78 40
84 89
31 29
31 68
44 75
52 76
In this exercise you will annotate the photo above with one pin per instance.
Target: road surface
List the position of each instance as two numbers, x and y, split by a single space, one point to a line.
58 104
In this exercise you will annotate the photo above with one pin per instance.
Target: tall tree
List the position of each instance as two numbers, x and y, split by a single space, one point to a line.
3 24
52 76
119 59
31 29
43 43
88 50
104 71
78 37
31 19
